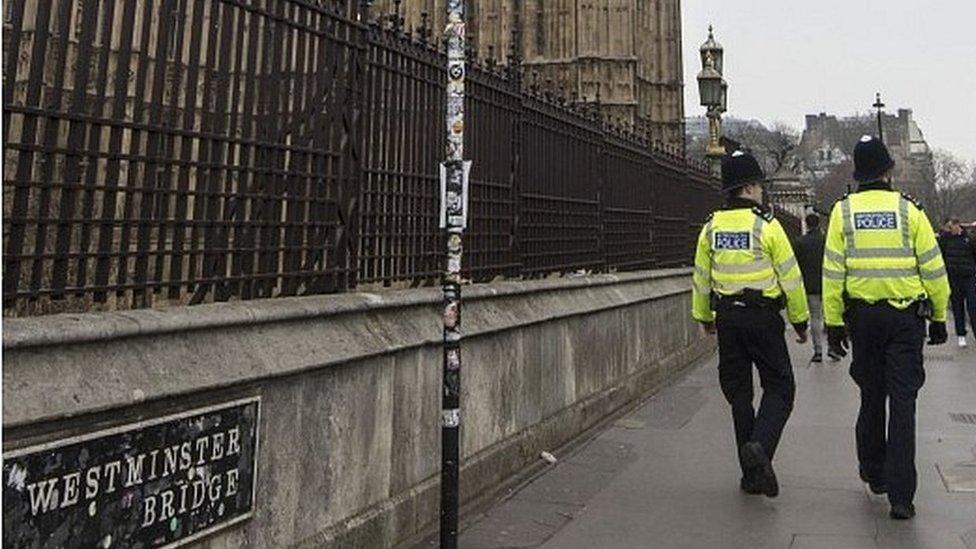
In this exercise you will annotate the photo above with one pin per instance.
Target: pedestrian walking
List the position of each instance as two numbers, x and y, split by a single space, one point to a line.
883 276
959 252
745 272
809 254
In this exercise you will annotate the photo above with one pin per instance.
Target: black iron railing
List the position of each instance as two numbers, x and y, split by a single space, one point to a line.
190 151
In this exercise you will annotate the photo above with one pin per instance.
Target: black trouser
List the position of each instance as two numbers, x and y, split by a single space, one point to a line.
887 365
748 336
963 301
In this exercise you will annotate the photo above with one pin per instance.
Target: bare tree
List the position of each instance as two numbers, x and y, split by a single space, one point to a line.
773 147
954 192
786 139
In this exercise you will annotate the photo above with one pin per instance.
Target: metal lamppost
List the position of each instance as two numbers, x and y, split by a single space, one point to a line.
714 93
454 172
880 106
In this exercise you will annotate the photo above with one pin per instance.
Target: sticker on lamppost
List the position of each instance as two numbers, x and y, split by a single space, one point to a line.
451 204
451 315
159 482
455 106
451 418
456 71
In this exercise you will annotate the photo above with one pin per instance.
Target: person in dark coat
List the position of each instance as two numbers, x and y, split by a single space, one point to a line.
809 254
959 252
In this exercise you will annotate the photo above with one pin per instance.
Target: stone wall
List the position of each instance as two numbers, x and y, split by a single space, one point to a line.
350 388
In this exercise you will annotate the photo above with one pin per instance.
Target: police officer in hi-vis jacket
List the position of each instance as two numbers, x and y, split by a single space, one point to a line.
745 272
883 276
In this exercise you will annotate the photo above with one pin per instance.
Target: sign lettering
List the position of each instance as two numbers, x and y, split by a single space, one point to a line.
867 221
159 482
732 240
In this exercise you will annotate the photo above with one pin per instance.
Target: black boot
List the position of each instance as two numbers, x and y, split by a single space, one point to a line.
877 486
902 511
756 462
749 484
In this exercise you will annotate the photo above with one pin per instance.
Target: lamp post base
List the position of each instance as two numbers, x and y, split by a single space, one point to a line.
715 161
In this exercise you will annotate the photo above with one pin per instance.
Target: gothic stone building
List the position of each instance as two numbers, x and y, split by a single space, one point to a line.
828 143
627 51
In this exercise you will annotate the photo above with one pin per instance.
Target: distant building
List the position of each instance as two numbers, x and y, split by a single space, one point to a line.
627 51
828 143
788 192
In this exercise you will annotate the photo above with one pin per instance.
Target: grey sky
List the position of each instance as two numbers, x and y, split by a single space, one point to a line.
787 58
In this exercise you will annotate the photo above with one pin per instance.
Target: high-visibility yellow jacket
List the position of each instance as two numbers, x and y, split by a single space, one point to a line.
881 247
746 249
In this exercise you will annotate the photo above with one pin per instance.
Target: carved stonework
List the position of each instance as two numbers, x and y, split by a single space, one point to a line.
627 51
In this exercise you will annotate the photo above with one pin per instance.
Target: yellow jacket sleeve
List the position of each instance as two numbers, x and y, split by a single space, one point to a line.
834 270
777 246
701 289
931 266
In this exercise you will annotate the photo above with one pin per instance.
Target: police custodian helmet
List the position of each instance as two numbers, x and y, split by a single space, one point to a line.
871 159
740 169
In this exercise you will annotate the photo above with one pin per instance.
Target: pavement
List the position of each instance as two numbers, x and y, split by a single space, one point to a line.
665 475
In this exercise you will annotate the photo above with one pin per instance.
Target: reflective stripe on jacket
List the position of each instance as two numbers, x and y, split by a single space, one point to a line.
881 247
740 250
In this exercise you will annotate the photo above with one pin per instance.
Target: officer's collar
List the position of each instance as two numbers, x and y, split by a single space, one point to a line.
874 186
738 202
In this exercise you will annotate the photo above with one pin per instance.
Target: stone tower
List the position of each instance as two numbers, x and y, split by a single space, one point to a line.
627 52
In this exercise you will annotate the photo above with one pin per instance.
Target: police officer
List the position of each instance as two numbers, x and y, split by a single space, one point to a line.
744 273
883 275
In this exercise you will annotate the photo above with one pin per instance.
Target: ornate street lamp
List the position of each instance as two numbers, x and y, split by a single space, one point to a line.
714 93
880 106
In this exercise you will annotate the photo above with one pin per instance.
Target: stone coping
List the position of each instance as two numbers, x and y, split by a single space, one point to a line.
60 329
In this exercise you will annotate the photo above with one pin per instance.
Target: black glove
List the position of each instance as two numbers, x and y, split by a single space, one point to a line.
937 333
837 343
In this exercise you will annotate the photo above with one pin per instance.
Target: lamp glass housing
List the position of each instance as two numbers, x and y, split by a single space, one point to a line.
717 55
710 88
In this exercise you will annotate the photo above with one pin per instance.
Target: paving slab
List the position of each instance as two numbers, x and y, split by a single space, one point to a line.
519 523
665 475
969 539
804 541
